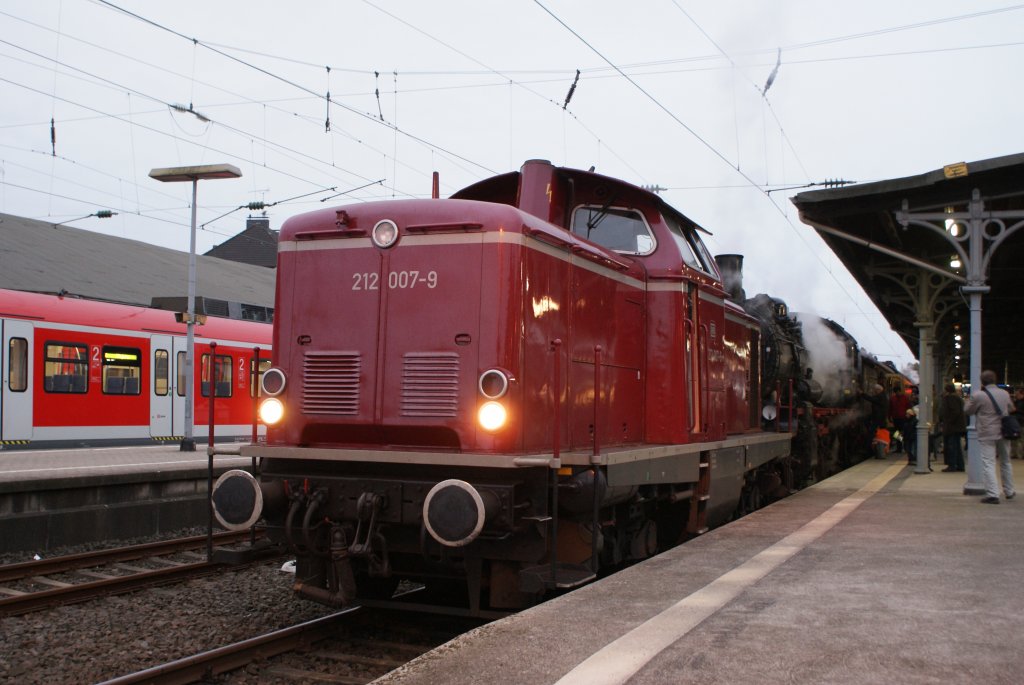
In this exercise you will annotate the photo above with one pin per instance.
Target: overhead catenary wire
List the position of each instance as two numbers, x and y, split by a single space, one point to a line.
294 84
714 150
406 88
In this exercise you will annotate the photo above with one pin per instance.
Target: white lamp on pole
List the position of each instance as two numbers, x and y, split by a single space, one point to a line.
193 174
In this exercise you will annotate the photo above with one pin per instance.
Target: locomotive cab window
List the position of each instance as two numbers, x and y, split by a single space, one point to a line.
622 230
692 248
122 370
17 364
66 368
221 377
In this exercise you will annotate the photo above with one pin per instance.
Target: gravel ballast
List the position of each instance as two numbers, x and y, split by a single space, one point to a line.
102 639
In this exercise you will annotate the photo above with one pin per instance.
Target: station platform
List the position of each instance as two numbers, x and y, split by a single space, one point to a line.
56 498
29 468
874 575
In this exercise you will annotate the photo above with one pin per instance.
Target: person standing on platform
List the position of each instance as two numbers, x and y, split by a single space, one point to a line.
877 409
953 425
909 431
1017 446
991 445
899 403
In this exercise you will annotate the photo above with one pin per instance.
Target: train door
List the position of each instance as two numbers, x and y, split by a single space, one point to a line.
178 351
16 372
161 393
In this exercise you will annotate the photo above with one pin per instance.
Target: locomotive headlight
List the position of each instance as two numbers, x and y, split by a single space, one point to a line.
271 410
493 384
273 381
385 233
492 416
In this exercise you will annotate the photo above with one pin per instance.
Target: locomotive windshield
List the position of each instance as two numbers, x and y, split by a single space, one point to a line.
691 247
622 230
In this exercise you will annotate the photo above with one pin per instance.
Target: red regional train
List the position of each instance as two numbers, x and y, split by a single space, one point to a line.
80 372
508 391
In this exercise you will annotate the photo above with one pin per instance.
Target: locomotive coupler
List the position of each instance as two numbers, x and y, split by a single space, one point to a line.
369 542
341 582
297 498
315 501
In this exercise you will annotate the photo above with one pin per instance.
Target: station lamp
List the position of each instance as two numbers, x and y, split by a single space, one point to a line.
194 174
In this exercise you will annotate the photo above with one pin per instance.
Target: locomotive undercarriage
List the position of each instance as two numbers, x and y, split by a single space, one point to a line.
358 528
356 536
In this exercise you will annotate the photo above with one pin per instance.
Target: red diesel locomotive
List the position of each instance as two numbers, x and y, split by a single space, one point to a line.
80 372
512 389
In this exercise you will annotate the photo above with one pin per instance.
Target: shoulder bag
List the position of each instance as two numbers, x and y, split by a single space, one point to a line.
1011 427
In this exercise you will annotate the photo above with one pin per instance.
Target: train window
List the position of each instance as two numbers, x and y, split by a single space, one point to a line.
17 364
255 386
161 372
692 248
66 368
181 374
122 370
622 230
222 375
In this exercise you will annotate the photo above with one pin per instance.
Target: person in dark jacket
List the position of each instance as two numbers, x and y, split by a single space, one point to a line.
1017 446
909 431
878 412
953 425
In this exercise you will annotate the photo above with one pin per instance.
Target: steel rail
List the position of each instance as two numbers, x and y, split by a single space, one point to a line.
80 592
230 657
59 593
73 562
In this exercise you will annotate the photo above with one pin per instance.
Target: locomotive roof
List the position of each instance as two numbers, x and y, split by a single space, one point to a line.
39 257
503 189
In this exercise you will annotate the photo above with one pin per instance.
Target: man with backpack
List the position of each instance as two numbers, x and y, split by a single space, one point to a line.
989 405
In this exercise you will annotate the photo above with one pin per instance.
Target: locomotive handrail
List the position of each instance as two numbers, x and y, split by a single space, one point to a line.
702 361
452 226
556 347
599 257
688 332
331 233
577 248
546 237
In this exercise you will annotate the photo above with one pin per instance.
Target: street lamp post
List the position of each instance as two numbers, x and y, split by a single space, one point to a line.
193 174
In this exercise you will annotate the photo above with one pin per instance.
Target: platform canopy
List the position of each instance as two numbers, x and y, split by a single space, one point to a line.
907 269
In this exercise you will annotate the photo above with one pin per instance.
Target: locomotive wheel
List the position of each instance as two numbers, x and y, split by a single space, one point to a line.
754 499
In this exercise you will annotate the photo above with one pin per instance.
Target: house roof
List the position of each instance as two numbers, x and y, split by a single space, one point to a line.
256 245
40 257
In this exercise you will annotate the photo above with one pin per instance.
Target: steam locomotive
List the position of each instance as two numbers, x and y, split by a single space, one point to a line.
513 390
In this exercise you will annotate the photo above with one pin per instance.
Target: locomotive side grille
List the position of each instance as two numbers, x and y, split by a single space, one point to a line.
331 383
430 384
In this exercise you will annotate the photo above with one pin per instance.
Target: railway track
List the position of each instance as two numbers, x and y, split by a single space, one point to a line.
333 648
45 583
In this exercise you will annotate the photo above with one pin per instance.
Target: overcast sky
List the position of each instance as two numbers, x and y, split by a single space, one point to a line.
670 93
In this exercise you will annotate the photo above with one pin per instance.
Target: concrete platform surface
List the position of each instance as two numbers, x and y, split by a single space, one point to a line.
876 575
27 469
